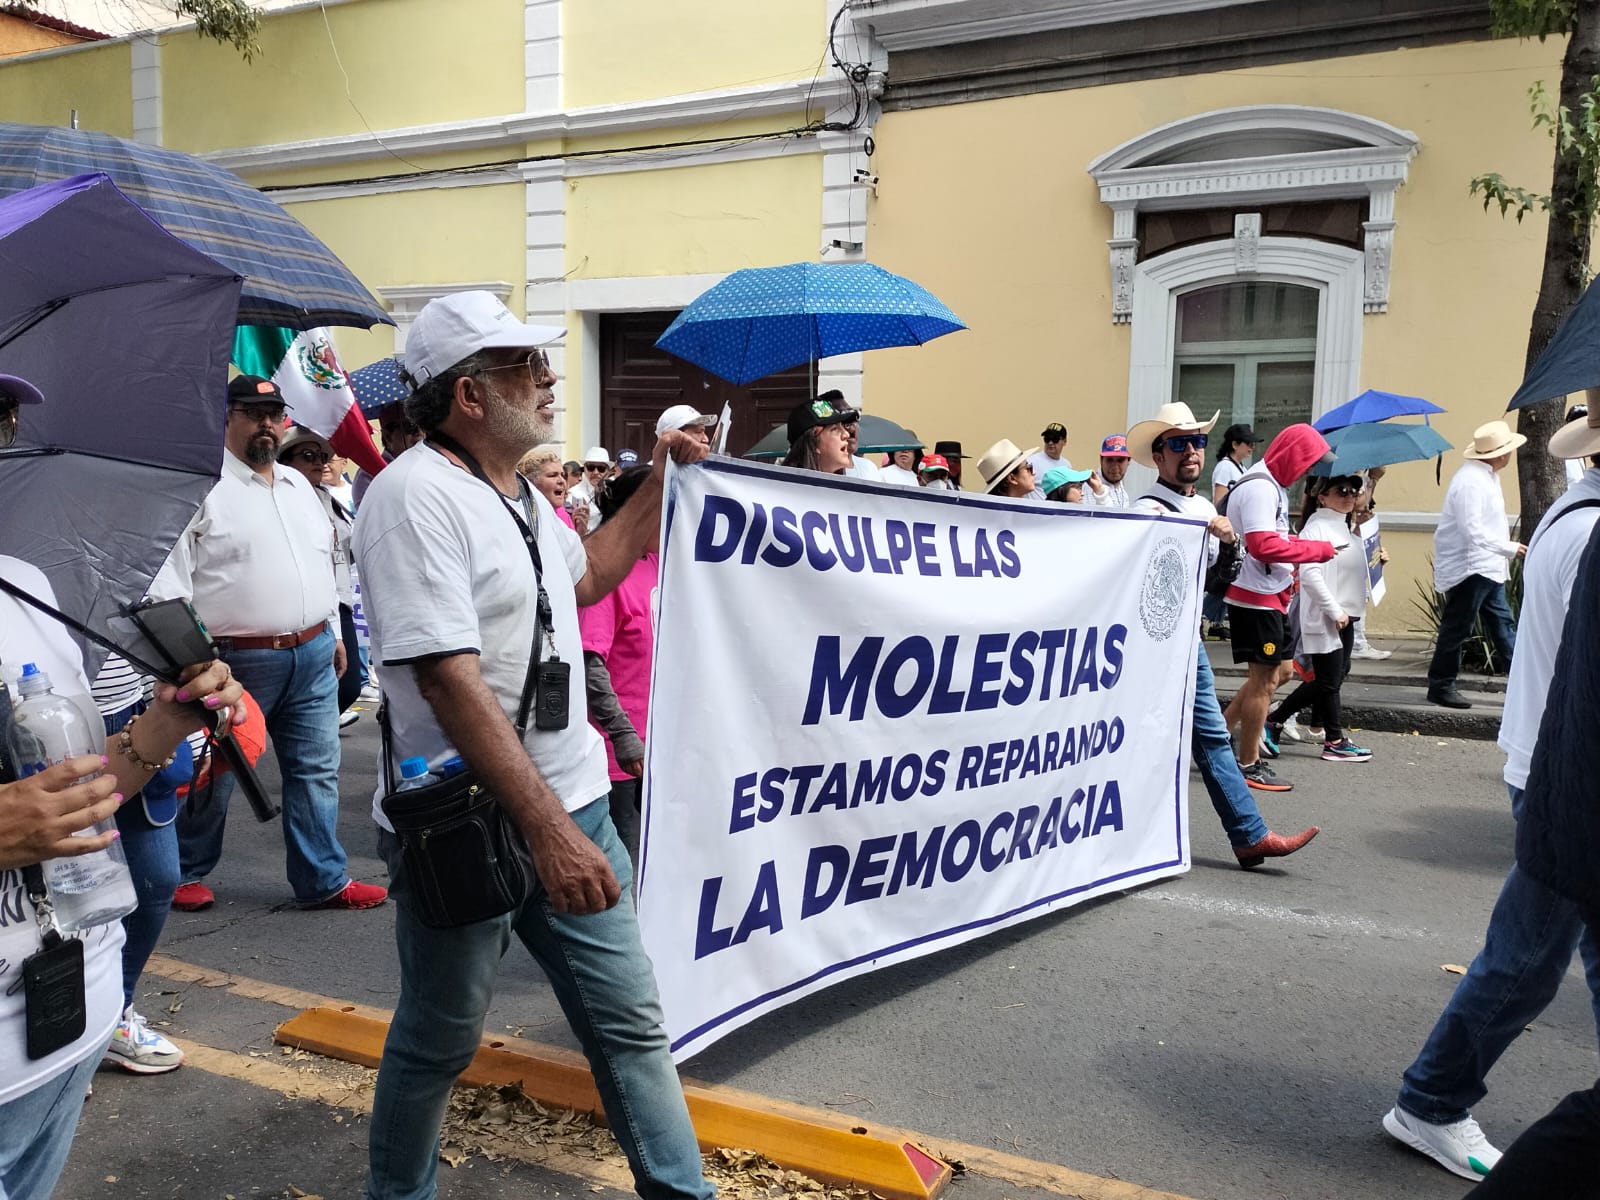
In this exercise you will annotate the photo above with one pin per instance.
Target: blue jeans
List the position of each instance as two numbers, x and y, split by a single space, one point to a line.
36 1132
1213 754
1463 603
603 980
1532 934
297 692
152 852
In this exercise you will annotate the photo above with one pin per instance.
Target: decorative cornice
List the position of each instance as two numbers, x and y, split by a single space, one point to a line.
1322 174
789 96
406 300
1252 119
920 24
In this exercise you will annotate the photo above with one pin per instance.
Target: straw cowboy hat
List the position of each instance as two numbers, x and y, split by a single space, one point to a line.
1168 416
998 461
1493 440
1579 439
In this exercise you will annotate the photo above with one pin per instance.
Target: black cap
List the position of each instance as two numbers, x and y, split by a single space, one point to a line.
1053 432
948 449
252 389
1240 433
827 409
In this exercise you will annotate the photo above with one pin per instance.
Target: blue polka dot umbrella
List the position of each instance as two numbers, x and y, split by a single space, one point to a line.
766 319
377 384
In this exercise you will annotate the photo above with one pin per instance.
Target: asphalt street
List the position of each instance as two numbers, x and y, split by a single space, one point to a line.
1221 1035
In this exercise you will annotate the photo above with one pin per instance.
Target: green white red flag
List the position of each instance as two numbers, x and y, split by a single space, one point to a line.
306 369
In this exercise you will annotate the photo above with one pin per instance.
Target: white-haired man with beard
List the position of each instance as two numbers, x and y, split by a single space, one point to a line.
446 542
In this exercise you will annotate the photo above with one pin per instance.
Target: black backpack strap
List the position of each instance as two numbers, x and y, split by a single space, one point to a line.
1570 508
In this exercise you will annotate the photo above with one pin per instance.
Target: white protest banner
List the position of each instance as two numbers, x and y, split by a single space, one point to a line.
1372 546
884 721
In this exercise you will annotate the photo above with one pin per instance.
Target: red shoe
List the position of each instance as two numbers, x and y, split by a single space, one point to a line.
356 895
192 897
1274 845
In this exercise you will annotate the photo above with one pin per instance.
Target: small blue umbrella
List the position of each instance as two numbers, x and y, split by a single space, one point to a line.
1571 361
1373 405
290 278
766 319
377 384
1360 447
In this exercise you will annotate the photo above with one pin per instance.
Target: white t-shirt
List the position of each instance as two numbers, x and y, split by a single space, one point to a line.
1332 589
1041 462
1225 474
27 635
1260 508
444 570
1547 574
862 468
1194 505
894 474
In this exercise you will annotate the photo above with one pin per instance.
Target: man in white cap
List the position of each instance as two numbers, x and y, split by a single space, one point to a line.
1472 549
454 547
1006 471
1173 443
596 469
1533 930
689 419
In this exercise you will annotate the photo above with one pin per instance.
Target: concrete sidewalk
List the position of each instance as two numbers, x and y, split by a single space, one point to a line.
1391 694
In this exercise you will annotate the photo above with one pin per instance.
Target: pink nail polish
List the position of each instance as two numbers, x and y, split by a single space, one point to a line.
115 834
117 796
212 702
104 760
183 695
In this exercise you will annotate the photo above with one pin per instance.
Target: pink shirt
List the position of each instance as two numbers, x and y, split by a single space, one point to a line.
565 517
619 630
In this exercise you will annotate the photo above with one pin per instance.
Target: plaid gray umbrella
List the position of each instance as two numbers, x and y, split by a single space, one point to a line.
290 278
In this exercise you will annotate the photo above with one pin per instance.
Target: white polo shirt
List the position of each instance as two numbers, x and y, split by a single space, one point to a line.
1554 552
444 570
1473 535
257 559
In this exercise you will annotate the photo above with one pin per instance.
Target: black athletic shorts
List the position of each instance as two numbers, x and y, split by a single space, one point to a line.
1259 635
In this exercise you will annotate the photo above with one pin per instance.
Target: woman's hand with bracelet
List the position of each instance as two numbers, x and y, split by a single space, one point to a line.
148 742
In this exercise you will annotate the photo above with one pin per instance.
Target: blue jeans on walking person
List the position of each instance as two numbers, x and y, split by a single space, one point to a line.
36 1132
1463 604
297 693
604 982
1213 754
1526 952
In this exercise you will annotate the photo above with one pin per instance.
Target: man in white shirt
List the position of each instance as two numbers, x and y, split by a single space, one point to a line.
689 419
1173 442
1105 488
1472 549
1532 931
257 563
451 579
1049 455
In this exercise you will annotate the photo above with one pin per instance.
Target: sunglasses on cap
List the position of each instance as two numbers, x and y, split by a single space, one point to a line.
1181 443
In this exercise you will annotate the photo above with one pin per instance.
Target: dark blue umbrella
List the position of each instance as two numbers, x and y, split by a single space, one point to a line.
1360 447
766 319
290 278
377 384
126 330
1571 362
1373 405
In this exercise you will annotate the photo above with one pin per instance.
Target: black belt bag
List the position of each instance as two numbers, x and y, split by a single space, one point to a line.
462 856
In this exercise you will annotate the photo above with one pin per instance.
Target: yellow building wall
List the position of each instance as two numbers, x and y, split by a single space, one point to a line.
45 88
1011 234
620 50
409 62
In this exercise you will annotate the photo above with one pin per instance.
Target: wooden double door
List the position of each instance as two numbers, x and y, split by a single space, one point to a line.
638 382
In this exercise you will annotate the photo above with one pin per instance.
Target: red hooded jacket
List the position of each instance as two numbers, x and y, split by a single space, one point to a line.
1291 454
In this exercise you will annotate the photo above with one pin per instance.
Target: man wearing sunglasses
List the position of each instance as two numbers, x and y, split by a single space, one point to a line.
1258 600
1173 443
257 563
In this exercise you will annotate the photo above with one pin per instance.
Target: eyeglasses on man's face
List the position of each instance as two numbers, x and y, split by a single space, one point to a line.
536 364
1182 443
258 413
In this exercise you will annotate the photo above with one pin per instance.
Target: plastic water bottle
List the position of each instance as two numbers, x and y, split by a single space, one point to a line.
87 889
414 774
453 765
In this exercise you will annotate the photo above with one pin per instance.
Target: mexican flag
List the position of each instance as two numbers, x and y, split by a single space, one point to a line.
314 385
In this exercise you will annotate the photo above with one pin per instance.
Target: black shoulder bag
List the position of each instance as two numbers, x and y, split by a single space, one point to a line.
464 858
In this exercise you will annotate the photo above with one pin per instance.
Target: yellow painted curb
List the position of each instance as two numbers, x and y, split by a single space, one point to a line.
846 1153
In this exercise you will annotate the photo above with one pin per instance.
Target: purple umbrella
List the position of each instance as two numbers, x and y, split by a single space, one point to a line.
127 331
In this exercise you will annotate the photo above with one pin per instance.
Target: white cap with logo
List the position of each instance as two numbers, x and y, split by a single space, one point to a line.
681 416
454 327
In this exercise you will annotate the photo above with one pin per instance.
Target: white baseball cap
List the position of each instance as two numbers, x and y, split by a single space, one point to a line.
451 328
596 454
681 416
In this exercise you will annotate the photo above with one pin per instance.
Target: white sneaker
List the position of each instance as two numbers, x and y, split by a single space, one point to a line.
1315 733
1291 730
348 718
1371 652
1460 1147
370 693
138 1048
